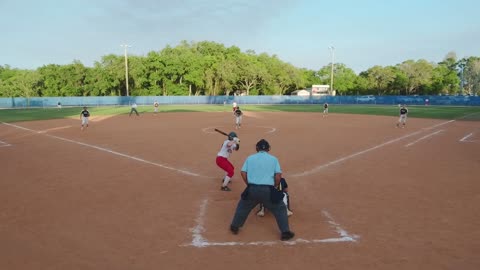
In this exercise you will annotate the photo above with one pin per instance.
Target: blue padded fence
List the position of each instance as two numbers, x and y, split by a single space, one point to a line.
40 102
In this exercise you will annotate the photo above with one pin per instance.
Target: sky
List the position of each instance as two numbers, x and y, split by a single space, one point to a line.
363 33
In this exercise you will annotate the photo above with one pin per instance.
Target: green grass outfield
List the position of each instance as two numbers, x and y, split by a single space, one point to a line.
438 112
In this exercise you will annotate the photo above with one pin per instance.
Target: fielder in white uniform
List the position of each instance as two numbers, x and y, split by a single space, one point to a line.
403 117
84 115
238 117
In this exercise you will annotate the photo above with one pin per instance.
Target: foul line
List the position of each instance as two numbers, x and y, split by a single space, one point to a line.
424 137
107 150
321 167
200 242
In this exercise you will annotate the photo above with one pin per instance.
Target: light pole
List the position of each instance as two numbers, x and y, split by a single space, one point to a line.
332 50
126 65
462 68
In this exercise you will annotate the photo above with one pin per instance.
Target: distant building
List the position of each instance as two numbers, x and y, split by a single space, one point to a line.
315 90
302 92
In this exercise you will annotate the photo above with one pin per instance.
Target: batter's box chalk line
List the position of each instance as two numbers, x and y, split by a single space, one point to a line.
466 138
199 241
4 144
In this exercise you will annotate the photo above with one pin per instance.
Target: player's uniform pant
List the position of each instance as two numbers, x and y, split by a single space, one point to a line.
238 120
133 110
260 194
286 201
84 120
402 119
225 165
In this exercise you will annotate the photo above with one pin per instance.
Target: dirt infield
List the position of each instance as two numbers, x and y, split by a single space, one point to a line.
143 193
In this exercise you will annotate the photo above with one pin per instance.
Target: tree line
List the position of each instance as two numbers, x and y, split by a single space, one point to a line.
210 68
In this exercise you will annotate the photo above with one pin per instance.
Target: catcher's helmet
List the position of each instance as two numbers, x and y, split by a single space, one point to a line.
263 145
232 135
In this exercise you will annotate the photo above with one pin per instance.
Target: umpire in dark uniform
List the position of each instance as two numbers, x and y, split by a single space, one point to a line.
262 173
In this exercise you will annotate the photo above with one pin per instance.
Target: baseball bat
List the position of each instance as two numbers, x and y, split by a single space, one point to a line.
221 132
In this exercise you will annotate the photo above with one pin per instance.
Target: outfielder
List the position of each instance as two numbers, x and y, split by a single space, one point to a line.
403 116
283 186
84 115
228 146
325 109
238 117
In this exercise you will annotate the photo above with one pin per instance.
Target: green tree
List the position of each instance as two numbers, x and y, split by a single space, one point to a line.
418 73
344 79
444 80
24 83
379 78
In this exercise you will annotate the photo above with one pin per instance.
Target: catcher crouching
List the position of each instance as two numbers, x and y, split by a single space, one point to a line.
286 199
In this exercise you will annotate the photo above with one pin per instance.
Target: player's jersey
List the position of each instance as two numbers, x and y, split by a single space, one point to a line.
226 150
85 113
325 105
403 111
235 108
155 104
238 112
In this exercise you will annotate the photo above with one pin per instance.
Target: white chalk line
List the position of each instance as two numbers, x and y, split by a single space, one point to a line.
441 124
424 137
4 144
197 239
200 242
464 139
109 151
51 129
272 130
323 166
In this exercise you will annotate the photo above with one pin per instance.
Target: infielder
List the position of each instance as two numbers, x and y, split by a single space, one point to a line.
155 106
228 146
325 109
84 115
286 199
238 117
134 109
403 116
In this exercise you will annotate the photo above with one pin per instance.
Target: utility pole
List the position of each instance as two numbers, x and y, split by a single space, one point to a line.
332 50
126 65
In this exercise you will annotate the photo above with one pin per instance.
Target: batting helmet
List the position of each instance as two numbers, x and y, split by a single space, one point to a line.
263 145
232 135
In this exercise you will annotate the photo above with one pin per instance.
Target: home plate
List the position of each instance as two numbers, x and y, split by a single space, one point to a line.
212 228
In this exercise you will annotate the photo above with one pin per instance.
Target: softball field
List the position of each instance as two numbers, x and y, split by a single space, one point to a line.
144 193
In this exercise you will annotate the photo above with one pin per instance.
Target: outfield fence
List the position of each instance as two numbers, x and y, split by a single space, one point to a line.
39 102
